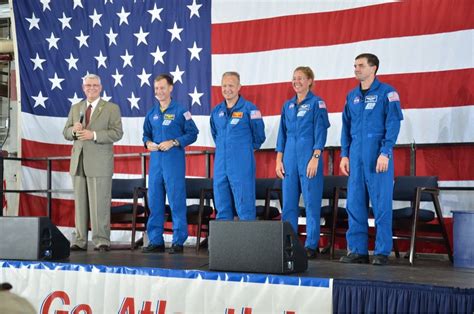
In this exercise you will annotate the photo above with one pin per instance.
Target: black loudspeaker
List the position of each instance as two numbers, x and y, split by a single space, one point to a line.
255 246
31 238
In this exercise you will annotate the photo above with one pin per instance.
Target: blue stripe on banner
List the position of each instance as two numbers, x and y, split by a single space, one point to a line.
174 273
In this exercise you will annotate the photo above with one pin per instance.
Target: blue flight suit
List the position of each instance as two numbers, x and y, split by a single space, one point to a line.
370 126
303 129
168 169
237 133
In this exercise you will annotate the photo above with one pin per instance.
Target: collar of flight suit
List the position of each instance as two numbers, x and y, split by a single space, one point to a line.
156 104
375 85
238 105
308 96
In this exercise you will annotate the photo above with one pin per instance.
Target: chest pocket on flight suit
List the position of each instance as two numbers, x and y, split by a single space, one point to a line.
304 119
156 122
236 118
290 118
303 111
168 119
374 116
220 121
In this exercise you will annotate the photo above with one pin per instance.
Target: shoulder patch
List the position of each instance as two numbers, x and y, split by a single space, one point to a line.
322 104
393 96
187 115
255 114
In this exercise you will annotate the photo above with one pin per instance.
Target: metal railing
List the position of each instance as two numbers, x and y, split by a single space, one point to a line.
49 167
208 153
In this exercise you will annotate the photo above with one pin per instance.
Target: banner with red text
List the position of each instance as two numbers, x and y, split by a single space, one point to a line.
70 288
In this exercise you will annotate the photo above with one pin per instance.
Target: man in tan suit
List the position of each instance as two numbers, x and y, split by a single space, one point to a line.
94 125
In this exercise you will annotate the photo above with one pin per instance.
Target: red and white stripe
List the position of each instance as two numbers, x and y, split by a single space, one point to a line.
425 49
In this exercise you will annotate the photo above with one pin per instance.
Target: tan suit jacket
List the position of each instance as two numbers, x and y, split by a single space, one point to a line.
98 159
92 167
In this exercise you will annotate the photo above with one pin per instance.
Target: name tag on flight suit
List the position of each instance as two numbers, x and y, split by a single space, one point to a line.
168 118
370 106
370 101
237 115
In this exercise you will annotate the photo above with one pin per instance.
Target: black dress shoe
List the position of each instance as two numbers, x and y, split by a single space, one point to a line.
102 248
76 247
380 260
312 254
355 258
152 248
176 249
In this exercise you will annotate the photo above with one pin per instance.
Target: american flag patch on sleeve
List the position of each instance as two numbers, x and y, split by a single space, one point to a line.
255 114
187 115
322 104
393 96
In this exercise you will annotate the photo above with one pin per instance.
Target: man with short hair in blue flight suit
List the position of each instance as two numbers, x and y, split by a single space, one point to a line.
370 127
237 129
167 130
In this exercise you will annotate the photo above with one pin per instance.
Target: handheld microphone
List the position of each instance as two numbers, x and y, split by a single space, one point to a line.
81 117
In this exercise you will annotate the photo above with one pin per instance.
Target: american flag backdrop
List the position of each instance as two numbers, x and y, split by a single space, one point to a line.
425 48
127 43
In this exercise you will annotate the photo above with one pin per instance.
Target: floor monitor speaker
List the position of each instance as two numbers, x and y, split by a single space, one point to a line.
31 238
255 246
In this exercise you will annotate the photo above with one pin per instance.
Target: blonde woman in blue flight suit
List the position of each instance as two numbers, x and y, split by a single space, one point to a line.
301 139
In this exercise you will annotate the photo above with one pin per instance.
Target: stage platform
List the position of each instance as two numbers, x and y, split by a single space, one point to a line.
125 281
435 269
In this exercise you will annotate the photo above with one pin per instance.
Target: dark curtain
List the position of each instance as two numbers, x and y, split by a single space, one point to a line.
353 296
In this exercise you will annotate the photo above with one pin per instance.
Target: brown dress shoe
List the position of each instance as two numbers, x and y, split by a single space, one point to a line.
102 248
76 247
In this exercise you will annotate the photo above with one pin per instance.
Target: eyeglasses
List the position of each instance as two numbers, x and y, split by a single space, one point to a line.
92 85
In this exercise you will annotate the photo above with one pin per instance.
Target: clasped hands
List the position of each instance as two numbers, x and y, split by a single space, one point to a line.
81 133
163 146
